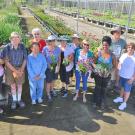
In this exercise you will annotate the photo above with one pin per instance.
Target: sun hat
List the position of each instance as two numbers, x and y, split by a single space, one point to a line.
75 36
51 38
117 29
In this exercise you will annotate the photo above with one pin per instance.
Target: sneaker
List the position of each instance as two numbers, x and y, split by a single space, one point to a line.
40 100
49 98
33 102
21 104
13 105
123 106
65 94
53 93
1 110
84 99
62 91
75 97
118 100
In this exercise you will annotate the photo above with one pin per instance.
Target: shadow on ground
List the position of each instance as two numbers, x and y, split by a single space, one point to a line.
62 114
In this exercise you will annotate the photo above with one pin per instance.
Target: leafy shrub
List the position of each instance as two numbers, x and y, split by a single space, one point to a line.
55 23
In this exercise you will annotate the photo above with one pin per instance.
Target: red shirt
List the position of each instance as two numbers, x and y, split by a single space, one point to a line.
42 44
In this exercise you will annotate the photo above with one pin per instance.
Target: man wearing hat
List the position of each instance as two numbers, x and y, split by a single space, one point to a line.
117 47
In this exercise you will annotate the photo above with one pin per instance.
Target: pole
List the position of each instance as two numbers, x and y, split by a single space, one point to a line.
78 6
129 18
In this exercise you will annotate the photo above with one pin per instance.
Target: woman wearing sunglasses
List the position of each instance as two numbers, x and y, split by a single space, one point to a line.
36 32
83 59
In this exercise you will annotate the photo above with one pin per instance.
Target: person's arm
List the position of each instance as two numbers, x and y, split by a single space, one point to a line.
44 67
24 61
132 78
130 81
114 61
30 69
1 61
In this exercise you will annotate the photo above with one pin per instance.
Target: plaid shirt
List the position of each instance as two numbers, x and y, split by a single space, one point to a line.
15 56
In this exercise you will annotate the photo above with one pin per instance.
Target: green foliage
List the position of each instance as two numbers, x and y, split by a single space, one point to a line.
11 19
6 29
56 24
9 22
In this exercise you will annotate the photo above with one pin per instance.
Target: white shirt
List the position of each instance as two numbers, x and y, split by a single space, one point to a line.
127 68
68 51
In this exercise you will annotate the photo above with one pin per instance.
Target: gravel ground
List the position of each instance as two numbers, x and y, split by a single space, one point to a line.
99 31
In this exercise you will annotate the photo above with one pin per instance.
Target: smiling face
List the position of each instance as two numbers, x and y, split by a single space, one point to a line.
86 45
75 41
117 35
105 46
51 43
130 49
63 43
15 39
36 36
35 49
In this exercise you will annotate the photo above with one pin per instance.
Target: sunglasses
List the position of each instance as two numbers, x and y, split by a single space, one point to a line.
86 45
51 40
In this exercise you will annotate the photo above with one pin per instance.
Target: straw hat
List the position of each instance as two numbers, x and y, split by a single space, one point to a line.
116 29
75 36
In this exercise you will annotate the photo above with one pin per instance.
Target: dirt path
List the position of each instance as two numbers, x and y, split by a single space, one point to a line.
31 22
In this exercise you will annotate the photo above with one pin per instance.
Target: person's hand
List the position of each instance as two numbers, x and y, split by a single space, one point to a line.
130 81
37 77
16 74
20 72
70 58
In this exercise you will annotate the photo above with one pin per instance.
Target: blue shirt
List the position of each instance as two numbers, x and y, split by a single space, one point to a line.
36 66
117 47
47 53
14 56
108 61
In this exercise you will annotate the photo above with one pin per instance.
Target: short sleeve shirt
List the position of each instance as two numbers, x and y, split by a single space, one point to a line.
127 69
15 56
47 53
117 47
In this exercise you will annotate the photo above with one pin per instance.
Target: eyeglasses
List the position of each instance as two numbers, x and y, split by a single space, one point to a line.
36 34
15 37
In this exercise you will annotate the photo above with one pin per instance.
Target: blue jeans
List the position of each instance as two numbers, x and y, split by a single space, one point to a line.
36 89
84 77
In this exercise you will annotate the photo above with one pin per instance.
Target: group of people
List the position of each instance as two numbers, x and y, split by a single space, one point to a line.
47 60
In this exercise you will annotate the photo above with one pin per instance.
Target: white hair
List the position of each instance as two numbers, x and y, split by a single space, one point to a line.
35 30
13 34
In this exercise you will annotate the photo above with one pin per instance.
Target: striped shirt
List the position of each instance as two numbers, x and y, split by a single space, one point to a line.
15 56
